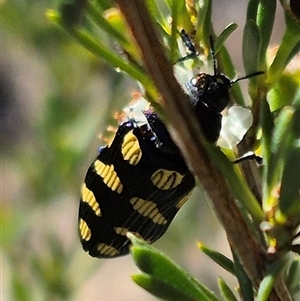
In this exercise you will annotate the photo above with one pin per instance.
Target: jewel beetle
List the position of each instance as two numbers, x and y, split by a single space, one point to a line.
140 180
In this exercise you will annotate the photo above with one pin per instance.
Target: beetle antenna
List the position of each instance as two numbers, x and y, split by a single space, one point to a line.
188 43
213 54
247 76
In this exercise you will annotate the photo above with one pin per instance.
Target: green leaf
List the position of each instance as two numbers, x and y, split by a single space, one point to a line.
180 14
295 248
288 44
219 258
251 47
293 274
237 184
203 27
293 54
281 140
267 283
159 267
113 24
284 91
267 125
229 29
161 289
265 21
176 7
292 7
246 287
229 70
114 30
289 201
72 13
93 44
157 15
226 291
252 10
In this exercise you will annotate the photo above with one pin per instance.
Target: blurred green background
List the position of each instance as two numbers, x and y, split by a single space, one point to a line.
56 99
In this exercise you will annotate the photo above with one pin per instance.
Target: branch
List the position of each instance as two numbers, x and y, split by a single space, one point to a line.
185 131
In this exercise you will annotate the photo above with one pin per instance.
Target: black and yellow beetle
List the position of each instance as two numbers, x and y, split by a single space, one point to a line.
140 181
131 186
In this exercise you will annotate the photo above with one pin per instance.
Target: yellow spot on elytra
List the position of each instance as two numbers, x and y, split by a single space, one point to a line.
110 177
85 231
149 209
123 232
183 200
87 196
166 179
107 250
130 149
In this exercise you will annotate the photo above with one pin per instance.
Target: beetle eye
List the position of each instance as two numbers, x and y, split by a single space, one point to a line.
194 81
219 80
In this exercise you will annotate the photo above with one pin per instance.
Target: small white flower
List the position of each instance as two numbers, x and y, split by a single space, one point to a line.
235 125
135 110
